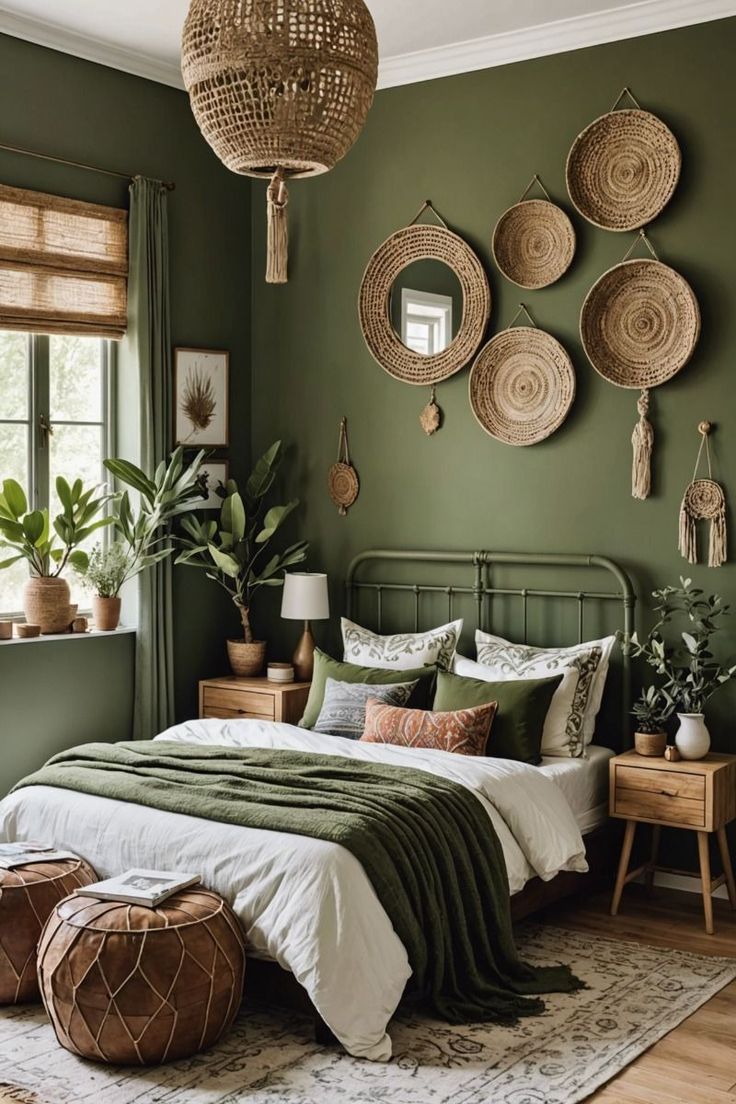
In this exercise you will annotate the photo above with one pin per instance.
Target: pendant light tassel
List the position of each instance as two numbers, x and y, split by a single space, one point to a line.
277 256
643 444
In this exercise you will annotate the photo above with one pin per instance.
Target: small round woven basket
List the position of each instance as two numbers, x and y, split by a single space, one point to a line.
640 324
343 485
522 386
534 243
623 169
417 243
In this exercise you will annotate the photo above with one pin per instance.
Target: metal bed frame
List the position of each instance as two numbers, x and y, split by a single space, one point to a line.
481 590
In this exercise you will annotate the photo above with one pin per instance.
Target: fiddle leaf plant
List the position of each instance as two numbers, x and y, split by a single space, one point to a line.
231 551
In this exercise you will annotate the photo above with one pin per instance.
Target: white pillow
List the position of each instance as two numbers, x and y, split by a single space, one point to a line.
562 725
510 660
402 651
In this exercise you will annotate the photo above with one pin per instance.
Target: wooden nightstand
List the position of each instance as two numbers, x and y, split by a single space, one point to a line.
255 698
697 795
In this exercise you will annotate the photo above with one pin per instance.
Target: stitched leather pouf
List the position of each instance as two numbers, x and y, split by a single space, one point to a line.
140 986
28 895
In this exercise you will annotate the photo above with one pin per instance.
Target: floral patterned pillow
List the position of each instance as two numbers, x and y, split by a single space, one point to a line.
343 706
464 732
402 651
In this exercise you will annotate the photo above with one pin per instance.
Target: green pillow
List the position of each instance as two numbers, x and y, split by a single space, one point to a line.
516 732
325 667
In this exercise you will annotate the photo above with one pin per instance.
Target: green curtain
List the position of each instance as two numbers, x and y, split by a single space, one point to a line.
150 339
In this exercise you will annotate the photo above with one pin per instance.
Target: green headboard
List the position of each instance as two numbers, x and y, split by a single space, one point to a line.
384 573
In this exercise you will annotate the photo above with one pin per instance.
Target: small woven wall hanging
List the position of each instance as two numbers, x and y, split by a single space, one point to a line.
342 479
704 500
639 325
431 417
623 169
522 384
279 88
534 241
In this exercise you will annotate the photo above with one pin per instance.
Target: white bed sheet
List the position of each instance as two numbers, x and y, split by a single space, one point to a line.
584 782
305 903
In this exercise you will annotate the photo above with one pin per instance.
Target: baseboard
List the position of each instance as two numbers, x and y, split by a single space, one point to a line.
688 883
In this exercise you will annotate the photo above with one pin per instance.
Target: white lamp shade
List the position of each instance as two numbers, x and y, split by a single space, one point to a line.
305 597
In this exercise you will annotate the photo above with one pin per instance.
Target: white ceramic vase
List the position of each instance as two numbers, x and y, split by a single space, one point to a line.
692 738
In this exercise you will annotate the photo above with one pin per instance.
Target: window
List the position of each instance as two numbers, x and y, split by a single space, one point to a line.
426 321
54 420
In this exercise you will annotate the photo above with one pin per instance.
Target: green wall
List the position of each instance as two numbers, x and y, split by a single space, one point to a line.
61 693
472 143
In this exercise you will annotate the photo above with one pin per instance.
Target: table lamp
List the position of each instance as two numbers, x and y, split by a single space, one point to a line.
305 599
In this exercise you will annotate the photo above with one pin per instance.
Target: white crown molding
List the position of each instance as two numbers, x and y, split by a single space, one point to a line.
641 18
593 29
88 48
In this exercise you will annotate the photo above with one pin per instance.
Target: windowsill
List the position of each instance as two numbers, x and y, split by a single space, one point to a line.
123 630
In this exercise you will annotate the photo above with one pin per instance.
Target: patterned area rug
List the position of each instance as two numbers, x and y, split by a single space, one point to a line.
635 995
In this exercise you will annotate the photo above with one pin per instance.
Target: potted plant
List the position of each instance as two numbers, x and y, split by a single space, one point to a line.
105 574
49 548
690 671
231 552
651 712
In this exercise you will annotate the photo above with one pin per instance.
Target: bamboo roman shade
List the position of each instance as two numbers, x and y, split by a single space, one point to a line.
63 265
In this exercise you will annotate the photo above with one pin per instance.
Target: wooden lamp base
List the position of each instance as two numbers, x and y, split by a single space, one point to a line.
303 658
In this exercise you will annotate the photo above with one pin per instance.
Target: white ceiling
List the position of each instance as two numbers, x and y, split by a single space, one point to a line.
418 39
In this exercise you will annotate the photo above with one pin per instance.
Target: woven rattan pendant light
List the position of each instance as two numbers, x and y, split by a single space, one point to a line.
279 88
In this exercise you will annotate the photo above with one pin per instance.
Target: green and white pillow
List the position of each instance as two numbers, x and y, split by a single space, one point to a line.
400 651
504 659
343 706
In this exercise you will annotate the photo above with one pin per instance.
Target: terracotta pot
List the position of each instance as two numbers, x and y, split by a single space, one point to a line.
246 660
46 603
106 613
650 743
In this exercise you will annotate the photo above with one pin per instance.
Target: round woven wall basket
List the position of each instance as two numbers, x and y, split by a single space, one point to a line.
534 243
623 169
416 243
640 324
522 386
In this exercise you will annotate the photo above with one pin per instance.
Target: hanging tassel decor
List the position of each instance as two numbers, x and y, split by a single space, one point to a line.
643 444
431 417
704 500
277 250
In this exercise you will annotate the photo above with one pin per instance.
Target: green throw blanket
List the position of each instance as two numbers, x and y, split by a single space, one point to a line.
426 844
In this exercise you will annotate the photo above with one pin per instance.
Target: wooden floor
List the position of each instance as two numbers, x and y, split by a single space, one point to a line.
695 1063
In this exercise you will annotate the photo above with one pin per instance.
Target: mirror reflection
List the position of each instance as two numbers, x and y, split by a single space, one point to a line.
427 306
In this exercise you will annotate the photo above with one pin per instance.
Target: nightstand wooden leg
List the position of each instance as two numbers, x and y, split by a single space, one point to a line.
705 879
623 865
727 868
653 856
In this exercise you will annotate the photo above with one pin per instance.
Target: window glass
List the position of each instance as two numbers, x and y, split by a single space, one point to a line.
75 379
14 373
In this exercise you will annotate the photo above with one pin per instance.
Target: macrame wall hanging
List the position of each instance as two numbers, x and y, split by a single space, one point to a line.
704 500
342 479
279 88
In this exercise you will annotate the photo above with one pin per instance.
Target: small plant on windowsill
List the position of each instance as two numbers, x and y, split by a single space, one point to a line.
49 547
651 712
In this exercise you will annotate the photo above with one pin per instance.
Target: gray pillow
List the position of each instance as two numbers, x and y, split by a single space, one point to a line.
343 707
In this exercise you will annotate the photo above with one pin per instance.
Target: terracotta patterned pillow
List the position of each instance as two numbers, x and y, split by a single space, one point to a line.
464 732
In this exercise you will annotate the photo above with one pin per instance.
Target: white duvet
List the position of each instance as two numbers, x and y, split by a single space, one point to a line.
305 903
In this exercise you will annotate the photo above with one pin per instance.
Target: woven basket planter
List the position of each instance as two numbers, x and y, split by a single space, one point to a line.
534 243
522 386
640 324
623 169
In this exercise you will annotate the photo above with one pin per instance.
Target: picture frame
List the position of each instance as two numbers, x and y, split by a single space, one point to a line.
218 472
201 399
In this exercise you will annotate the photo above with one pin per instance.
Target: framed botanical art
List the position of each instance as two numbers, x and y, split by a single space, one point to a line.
217 472
201 398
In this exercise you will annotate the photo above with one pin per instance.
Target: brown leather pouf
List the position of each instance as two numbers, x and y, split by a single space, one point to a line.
27 898
140 986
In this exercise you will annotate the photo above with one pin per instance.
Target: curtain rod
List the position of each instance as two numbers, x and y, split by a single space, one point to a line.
168 184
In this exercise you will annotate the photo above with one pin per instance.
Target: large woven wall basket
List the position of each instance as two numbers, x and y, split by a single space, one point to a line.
640 324
522 386
534 243
623 169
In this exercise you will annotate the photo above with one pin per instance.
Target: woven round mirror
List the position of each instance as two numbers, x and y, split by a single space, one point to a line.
522 386
640 324
623 169
421 357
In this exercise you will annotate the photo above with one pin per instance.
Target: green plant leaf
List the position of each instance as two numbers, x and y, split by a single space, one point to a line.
12 560
274 519
79 560
15 498
33 526
224 562
13 530
64 492
263 474
128 473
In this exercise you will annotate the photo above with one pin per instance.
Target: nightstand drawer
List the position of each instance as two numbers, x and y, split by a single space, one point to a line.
233 715
671 796
220 702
